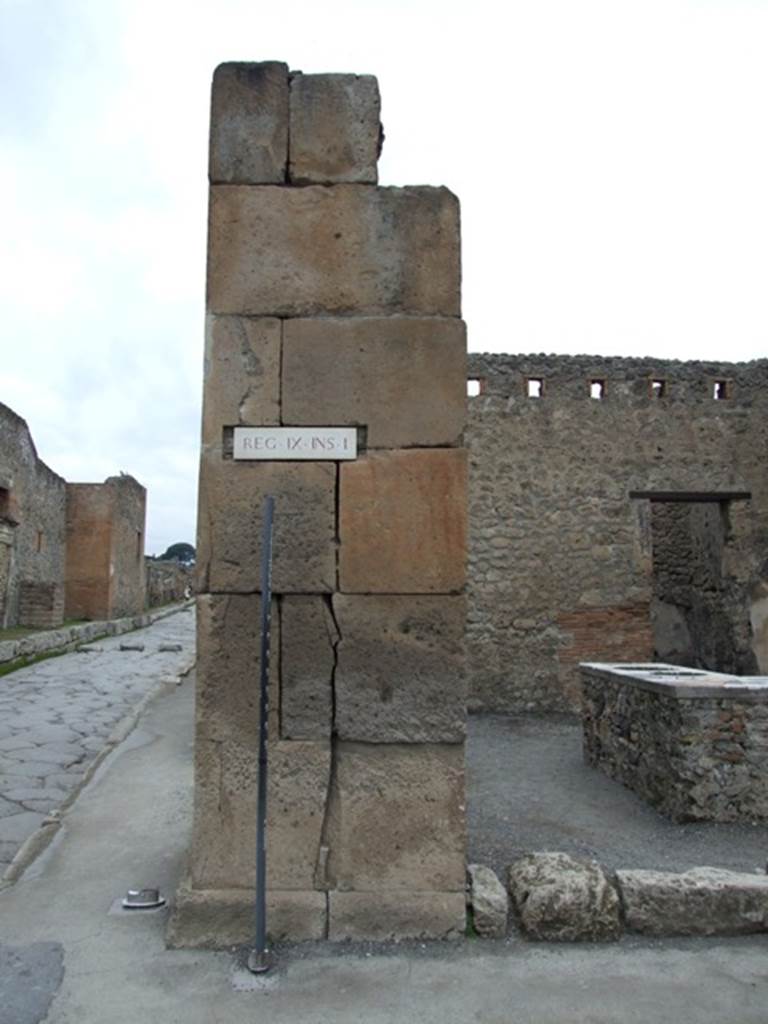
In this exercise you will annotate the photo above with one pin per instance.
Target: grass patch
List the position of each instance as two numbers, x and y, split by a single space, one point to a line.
27 660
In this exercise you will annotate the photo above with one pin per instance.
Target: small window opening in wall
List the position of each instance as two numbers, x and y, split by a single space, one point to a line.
475 387
535 387
39 542
597 389
138 544
658 388
721 390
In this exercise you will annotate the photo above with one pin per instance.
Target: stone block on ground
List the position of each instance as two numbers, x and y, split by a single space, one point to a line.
400 676
308 637
228 667
231 508
242 375
396 818
223 848
350 249
558 898
249 124
387 916
489 901
404 378
334 129
403 522
702 901
221 918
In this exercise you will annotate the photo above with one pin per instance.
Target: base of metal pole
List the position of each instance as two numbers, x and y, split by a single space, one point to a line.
259 963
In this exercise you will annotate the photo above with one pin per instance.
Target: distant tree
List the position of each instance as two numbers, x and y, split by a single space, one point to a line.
179 552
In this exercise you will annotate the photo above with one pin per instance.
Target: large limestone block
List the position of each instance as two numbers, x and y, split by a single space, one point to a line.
350 249
489 901
335 132
249 124
386 916
221 918
224 842
403 522
702 901
396 818
308 661
400 675
404 378
242 375
230 525
229 667
560 899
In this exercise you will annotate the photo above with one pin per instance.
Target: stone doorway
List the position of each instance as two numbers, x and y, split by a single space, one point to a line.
698 613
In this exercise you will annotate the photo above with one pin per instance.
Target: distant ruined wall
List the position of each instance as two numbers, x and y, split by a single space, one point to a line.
167 581
561 558
105 575
32 530
128 575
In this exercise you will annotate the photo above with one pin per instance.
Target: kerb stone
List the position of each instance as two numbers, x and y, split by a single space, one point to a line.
335 132
404 378
230 525
249 124
702 901
242 375
489 901
400 675
396 818
403 522
350 249
560 899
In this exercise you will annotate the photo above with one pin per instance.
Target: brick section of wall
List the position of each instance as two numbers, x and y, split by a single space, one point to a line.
553 529
606 634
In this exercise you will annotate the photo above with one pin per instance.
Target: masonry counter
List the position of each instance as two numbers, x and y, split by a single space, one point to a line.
693 743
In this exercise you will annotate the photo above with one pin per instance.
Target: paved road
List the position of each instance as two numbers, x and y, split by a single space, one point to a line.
57 717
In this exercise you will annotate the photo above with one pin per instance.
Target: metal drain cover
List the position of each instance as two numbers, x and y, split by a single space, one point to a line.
143 899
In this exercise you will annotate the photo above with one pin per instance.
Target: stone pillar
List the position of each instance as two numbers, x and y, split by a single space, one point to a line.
331 302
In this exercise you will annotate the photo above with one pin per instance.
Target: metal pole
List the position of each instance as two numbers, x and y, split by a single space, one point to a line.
258 960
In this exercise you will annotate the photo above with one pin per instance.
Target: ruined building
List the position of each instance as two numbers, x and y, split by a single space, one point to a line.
618 512
105 574
32 530
66 550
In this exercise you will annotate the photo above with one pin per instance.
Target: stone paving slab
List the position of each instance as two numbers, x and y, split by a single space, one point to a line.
58 716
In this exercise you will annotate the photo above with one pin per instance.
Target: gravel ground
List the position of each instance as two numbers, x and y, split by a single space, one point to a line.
529 789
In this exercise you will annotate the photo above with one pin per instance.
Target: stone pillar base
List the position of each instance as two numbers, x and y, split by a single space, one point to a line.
388 916
220 918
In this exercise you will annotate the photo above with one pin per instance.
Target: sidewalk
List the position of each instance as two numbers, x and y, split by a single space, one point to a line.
59 716
87 962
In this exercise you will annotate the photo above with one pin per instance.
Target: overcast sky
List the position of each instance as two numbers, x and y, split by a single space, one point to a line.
611 159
